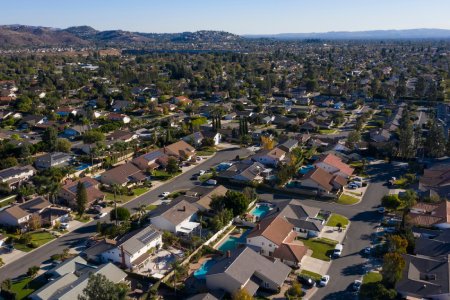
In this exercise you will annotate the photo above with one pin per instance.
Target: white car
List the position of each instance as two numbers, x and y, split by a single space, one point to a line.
202 172
101 215
165 194
324 280
211 182
64 226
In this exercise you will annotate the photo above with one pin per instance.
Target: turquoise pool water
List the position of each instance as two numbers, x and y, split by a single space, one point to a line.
260 211
232 242
305 169
203 270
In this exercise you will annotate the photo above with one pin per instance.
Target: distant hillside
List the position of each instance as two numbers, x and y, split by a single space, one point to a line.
359 35
15 36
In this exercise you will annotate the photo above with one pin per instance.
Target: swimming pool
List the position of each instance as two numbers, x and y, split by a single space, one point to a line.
82 167
305 169
260 211
203 270
232 242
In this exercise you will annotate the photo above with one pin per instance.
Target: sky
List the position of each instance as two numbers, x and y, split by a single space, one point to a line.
236 16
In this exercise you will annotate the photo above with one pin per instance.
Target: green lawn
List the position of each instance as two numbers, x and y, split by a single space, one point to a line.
125 198
25 286
312 275
322 248
151 207
40 238
205 177
163 175
335 219
327 131
347 199
83 219
204 153
4 202
372 277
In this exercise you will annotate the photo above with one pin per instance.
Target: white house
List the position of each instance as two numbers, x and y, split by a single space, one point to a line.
177 218
270 157
15 175
134 251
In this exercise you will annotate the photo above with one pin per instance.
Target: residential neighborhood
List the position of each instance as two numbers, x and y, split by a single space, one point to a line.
208 165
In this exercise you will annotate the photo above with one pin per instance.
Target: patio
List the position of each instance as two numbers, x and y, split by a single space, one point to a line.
160 262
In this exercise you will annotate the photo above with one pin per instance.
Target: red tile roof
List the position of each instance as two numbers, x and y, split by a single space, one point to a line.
336 162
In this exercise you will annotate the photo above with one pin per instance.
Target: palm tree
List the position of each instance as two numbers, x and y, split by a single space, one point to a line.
141 210
116 189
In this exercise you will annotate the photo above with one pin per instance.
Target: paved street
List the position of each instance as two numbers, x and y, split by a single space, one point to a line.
78 236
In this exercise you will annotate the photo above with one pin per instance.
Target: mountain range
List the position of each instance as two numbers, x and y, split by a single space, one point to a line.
422 33
18 36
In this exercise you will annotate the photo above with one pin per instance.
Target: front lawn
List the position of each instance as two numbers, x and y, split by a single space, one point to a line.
205 177
335 219
205 152
38 238
372 277
83 218
327 131
163 175
322 248
125 198
25 286
151 207
312 275
347 199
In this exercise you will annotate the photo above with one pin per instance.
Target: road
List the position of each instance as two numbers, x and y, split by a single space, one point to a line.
77 237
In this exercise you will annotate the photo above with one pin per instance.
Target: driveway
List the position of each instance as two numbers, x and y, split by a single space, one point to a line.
315 265
77 238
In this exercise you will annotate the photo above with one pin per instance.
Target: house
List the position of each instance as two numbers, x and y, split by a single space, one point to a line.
243 268
134 250
180 150
246 171
14 176
334 165
431 214
75 131
152 160
122 135
31 121
66 111
323 181
288 145
201 196
380 135
436 245
425 277
53 160
123 175
121 105
119 118
19 215
275 237
68 191
195 138
181 100
177 218
270 158
435 181
74 280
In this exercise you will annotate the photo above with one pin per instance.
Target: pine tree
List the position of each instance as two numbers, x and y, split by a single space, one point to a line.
81 198
435 140
406 136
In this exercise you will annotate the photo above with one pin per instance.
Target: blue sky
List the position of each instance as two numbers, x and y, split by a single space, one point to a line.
237 16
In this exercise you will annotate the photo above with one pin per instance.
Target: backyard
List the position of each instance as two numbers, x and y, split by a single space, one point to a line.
322 248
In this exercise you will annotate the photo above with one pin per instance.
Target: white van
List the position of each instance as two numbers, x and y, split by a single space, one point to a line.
337 250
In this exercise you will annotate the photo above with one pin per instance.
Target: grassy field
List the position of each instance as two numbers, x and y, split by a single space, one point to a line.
335 219
322 248
312 275
372 277
347 199
40 238
25 286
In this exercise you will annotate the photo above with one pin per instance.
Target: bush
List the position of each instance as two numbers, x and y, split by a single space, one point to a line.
123 214
391 201
33 245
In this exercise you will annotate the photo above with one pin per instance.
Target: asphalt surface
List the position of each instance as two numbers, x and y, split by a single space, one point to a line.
78 237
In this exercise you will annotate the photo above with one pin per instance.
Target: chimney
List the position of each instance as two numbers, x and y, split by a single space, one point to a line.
228 253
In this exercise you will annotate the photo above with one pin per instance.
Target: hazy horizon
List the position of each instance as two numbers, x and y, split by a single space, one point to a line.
251 17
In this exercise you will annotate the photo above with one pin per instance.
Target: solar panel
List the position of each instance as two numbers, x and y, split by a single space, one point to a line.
148 236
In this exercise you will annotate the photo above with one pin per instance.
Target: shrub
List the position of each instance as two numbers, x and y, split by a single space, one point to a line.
391 201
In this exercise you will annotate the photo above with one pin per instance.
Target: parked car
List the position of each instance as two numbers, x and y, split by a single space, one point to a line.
306 281
211 182
101 215
198 158
165 194
201 172
381 209
367 250
352 186
97 208
357 285
357 183
337 252
64 226
324 280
